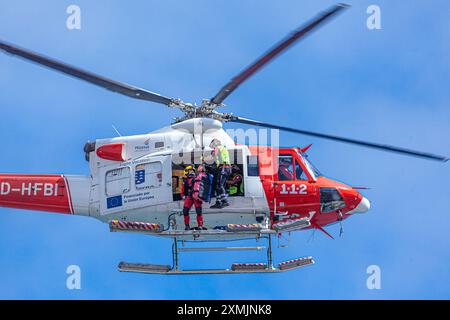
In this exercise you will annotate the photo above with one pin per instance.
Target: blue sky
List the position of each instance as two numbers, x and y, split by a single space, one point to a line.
388 85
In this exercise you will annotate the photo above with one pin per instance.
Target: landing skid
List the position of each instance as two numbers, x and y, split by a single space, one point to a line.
236 268
148 269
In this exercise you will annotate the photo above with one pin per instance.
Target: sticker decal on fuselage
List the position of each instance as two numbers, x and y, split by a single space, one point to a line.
293 188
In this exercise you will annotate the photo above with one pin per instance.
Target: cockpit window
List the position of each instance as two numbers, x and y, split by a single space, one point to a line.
311 168
330 200
285 168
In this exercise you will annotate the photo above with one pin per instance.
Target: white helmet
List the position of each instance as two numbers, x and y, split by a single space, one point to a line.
214 143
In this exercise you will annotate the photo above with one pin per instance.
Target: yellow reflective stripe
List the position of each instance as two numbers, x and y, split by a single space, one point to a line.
224 155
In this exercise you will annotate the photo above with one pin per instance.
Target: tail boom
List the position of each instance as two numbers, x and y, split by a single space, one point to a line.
49 192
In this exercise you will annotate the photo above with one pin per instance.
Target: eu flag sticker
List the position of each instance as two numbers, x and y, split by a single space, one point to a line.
114 202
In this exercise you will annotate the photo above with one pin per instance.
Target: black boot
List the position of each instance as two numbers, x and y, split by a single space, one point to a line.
217 205
187 227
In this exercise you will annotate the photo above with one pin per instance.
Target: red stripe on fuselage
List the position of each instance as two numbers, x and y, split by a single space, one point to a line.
35 192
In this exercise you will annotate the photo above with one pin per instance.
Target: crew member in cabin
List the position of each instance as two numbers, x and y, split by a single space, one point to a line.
190 192
235 182
285 169
222 161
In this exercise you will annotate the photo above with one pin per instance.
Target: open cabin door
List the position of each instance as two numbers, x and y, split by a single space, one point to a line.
136 184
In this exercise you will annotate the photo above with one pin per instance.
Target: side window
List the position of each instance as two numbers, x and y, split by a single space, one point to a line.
285 168
252 166
299 173
330 200
118 181
159 144
148 175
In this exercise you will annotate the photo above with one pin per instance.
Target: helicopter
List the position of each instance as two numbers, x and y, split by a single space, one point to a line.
135 181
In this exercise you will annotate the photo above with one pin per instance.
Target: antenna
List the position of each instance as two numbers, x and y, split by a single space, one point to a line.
117 131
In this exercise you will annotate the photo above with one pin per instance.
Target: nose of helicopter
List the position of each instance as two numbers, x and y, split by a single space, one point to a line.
362 207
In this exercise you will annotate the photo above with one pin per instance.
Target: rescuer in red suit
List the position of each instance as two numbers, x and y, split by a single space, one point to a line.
191 198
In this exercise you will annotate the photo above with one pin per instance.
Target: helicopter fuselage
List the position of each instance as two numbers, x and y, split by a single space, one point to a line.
138 179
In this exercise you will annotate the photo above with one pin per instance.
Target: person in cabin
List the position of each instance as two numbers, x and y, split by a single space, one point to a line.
286 169
221 158
190 190
235 183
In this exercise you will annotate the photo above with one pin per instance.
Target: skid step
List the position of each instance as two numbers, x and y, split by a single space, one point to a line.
292 224
143 267
296 263
248 266
255 227
134 226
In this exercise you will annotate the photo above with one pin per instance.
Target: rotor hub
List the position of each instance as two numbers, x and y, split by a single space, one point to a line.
207 109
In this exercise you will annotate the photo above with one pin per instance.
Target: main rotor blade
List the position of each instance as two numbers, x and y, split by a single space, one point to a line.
378 146
122 88
275 51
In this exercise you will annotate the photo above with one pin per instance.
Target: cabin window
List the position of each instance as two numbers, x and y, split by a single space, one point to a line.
118 181
252 166
330 200
148 175
159 144
299 173
285 168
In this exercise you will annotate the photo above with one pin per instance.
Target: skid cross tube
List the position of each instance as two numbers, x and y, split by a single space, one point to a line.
221 249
